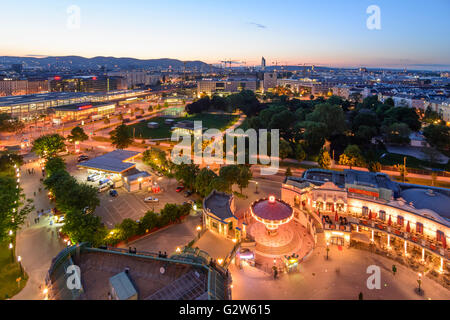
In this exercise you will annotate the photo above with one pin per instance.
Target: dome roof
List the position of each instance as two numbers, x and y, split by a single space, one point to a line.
427 199
274 210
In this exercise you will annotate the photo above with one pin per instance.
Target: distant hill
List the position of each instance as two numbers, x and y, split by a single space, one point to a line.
77 62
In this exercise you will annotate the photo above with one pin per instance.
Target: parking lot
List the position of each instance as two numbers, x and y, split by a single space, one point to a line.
114 210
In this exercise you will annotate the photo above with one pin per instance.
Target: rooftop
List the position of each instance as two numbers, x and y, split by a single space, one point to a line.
274 210
115 161
219 204
152 277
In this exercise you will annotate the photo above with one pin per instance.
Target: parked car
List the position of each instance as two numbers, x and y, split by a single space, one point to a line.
104 187
82 158
187 193
179 189
93 176
104 181
113 193
151 199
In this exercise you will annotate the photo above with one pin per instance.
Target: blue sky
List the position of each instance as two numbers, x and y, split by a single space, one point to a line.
291 32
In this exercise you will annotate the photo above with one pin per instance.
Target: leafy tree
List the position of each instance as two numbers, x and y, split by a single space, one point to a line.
14 207
313 135
285 149
245 174
157 159
203 181
229 174
82 227
331 115
8 124
186 174
352 156
375 166
403 171
48 145
438 136
288 172
150 109
128 228
389 102
300 154
121 137
220 184
397 133
54 164
77 134
324 160
7 162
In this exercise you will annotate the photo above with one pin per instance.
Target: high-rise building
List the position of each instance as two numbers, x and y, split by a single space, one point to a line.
263 64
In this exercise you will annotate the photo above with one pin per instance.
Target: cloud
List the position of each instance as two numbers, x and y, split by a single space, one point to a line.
258 25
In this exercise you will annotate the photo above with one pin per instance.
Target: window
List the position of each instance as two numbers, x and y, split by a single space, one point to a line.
365 211
419 227
382 215
400 220
440 236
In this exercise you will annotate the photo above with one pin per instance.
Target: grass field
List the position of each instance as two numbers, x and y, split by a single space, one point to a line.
9 272
216 121
391 159
425 182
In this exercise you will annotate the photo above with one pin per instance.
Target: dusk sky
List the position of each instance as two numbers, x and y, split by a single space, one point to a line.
295 32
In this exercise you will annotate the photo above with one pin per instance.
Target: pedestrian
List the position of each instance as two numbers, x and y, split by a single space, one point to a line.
360 296
394 269
34 193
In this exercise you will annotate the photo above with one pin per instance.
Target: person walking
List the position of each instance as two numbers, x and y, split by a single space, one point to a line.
394 269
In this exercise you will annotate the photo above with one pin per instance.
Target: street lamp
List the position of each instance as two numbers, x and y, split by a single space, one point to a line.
328 248
19 260
256 187
12 252
419 281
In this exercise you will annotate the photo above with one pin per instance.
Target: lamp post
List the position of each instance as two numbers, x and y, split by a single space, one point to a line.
199 229
12 252
419 281
328 248
19 260
256 187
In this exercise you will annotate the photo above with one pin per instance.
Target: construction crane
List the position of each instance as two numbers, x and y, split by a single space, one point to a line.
229 62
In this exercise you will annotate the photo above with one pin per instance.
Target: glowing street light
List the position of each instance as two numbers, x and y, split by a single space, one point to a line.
178 250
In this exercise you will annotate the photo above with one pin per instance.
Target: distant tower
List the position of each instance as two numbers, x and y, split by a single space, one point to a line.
263 64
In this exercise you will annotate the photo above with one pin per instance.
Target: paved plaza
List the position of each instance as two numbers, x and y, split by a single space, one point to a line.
343 276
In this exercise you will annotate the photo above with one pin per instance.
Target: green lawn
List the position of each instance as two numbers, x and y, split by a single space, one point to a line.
216 121
9 272
391 159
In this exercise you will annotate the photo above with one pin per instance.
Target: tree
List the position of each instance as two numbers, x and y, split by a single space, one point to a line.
285 149
243 179
288 172
438 136
313 135
324 160
150 109
48 145
186 174
14 207
128 228
203 181
82 227
402 169
230 175
331 115
54 164
300 154
8 124
375 166
352 156
121 137
397 133
77 134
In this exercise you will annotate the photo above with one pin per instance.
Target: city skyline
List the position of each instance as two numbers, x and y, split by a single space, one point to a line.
411 35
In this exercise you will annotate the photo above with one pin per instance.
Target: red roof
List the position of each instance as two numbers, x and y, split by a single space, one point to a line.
277 210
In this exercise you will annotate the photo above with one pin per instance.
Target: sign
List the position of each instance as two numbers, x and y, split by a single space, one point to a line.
85 107
364 192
